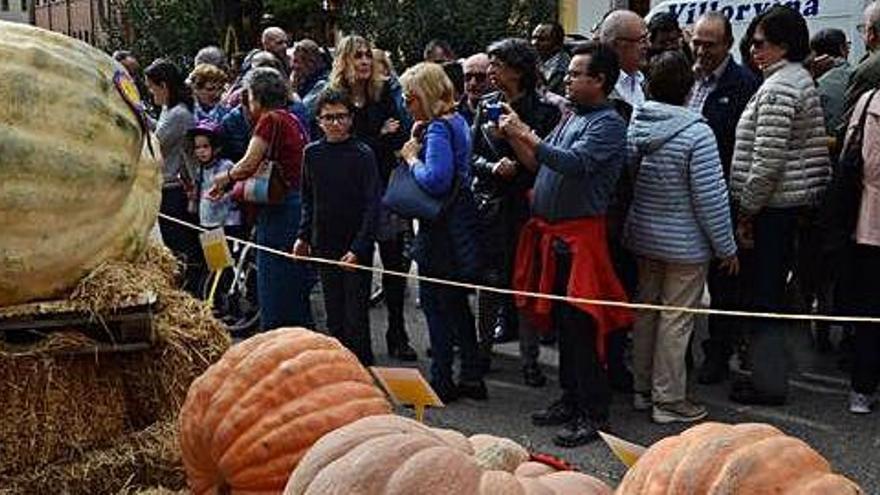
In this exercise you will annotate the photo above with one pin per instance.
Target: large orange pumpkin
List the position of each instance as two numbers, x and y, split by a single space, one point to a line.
251 416
393 455
743 459
76 188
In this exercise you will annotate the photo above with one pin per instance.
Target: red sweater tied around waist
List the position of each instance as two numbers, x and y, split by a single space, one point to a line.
592 275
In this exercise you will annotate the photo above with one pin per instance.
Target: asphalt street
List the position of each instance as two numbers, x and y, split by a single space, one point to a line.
816 411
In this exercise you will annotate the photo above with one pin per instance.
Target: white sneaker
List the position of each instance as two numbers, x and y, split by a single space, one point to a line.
642 401
860 403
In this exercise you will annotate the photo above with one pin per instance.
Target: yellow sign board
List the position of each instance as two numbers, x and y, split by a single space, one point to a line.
216 249
407 386
627 452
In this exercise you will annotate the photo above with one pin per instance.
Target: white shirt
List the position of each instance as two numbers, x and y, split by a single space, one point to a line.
629 88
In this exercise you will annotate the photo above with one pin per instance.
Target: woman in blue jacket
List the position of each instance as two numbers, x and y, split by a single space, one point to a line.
678 221
439 155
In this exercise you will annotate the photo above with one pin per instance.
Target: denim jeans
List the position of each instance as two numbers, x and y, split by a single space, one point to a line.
282 284
775 230
448 313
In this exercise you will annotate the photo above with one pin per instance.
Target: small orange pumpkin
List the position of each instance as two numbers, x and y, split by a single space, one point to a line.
251 416
743 459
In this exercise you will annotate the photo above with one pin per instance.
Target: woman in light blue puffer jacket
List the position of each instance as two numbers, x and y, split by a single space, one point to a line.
678 221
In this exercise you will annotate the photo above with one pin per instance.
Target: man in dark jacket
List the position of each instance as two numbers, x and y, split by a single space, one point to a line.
721 90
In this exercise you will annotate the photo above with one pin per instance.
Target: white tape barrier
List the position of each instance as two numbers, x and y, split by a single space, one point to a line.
552 297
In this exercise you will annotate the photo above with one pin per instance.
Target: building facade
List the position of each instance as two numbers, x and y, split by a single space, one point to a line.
15 10
80 19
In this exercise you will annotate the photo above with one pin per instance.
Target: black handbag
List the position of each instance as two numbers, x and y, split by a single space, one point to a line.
408 199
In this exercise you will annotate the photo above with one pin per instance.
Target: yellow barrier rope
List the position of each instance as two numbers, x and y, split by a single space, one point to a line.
552 297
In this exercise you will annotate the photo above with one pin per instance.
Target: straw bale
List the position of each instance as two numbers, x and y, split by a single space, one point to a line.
150 457
190 340
50 404
62 405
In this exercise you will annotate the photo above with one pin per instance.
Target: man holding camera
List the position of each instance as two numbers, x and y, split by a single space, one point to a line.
563 248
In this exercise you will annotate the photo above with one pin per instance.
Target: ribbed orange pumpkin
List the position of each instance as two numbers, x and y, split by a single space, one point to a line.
251 416
743 459
393 455
75 189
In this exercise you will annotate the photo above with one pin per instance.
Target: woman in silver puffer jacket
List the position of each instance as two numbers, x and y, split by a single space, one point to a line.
780 168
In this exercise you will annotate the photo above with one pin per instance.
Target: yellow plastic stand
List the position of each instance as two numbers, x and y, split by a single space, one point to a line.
407 386
217 256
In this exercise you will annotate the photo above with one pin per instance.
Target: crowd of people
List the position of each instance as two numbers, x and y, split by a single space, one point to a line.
644 165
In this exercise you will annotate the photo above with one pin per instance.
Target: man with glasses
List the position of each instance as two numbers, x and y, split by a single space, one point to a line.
721 90
867 74
476 84
831 69
626 34
548 38
563 247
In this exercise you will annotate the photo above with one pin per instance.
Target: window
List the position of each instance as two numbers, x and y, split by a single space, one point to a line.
4 5
24 5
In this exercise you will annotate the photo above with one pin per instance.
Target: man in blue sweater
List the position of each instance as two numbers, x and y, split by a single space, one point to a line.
564 246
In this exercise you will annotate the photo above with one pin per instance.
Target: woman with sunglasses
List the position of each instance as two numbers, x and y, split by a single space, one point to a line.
501 185
377 121
780 169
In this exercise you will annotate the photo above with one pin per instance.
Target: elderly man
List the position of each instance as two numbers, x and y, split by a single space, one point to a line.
625 32
476 84
721 90
548 38
564 247
274 41
867 74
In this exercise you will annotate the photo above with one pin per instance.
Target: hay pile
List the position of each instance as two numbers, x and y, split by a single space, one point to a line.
102 420
146 458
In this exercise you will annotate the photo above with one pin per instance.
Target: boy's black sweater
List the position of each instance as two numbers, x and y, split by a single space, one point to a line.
340 199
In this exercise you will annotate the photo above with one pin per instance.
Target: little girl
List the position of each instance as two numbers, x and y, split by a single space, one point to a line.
206 149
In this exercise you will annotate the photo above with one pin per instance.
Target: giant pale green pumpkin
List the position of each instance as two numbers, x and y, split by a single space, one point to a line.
76 185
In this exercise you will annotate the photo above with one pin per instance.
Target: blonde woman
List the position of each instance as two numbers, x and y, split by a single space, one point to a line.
439 156
208 83
376 121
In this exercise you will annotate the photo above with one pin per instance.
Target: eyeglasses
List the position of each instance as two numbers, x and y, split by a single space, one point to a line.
208 87
337 118
704 44
477 76
360 54
643 39
758 43
574 74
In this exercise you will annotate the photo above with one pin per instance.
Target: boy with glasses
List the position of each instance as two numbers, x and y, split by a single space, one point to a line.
340 197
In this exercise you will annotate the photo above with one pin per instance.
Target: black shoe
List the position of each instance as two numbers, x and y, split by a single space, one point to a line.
620 379
475 389
547 338
377 298
446 390
713 371
744 392
501 333
533 376
403 352
580 431
559 413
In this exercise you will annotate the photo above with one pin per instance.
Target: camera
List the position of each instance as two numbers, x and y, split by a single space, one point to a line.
493 112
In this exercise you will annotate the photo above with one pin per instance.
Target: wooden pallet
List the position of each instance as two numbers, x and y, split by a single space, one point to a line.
126 329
